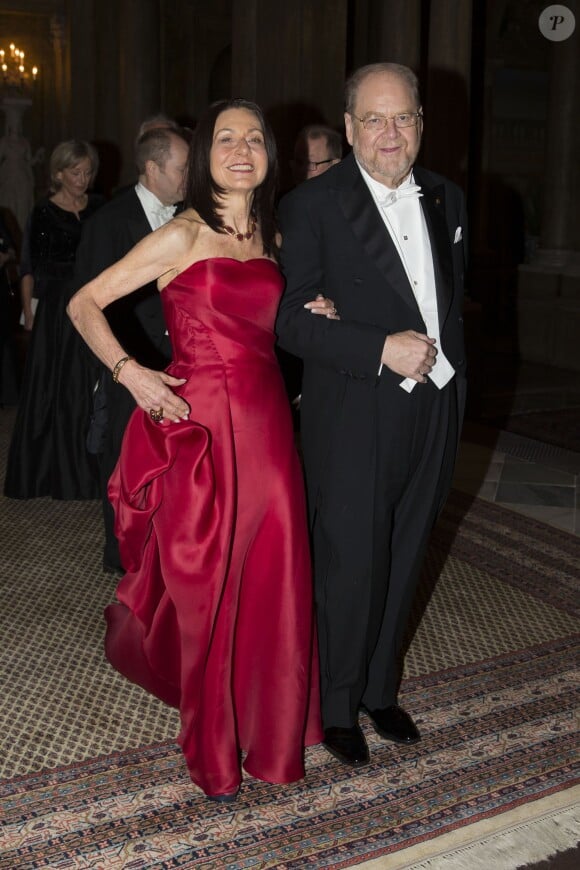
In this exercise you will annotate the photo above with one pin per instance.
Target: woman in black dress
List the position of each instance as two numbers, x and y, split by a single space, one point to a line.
8 379
48 456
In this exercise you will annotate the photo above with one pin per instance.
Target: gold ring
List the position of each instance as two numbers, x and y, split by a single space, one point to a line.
156 416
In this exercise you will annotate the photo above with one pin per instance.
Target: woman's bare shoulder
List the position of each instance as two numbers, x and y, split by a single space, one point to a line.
188 219
184 234
184 226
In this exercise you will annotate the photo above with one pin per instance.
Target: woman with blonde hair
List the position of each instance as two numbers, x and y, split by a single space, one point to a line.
48 455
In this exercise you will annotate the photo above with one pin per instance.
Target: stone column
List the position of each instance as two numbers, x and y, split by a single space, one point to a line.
107 109
194 33
387 32
61 86
549 286
446 89
139 73
560 224
16 177
446 86
82 62
290 58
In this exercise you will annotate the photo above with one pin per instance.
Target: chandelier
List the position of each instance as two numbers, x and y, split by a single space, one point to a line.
17 77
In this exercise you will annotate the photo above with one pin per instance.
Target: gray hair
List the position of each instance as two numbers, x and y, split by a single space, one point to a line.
354 82
69 153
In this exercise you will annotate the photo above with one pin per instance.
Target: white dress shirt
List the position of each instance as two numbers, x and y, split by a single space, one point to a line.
404 219
157 214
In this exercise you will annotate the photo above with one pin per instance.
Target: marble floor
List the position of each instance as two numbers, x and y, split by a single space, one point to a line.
534 488
523 474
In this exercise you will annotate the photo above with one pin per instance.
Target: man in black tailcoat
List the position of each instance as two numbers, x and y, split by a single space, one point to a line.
137 320
383 390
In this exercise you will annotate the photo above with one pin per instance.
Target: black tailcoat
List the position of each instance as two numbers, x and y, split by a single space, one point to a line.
137 320
138 323
335 241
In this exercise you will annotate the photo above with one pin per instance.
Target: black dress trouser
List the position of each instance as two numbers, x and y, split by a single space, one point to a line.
368 554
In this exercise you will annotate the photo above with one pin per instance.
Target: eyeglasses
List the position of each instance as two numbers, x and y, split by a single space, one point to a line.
376 123
313 165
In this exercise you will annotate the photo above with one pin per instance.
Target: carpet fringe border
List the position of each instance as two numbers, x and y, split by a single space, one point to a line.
505 838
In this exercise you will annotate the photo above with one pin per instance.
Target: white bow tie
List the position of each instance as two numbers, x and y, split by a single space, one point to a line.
408 190
164 212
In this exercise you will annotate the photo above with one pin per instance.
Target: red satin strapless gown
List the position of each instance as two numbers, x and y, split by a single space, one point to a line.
215 612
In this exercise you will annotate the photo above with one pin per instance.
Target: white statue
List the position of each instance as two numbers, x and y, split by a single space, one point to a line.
16 175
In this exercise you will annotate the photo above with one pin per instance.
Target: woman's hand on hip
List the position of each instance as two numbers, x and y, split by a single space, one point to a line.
152 392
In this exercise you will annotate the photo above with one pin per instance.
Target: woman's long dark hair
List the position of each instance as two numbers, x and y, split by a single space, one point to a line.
201 191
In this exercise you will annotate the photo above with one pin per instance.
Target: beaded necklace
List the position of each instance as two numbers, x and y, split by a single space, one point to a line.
241 237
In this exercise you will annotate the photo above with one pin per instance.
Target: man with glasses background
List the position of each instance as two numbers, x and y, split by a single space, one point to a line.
317 148
383 390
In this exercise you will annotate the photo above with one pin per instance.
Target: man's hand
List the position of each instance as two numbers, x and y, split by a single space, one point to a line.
410 354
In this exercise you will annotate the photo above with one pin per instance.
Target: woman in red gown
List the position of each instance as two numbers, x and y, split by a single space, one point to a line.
215 613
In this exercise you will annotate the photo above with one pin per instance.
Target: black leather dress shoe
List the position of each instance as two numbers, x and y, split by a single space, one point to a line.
111 568
347 744
227 798
393 723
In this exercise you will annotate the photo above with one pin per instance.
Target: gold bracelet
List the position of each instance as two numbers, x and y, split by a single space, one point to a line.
119 366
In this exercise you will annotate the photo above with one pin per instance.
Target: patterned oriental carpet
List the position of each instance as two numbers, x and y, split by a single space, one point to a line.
91 777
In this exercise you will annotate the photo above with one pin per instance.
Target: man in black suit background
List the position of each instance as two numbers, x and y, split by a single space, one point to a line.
383 390
161 157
